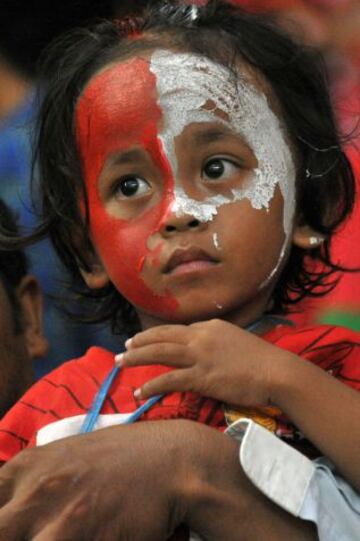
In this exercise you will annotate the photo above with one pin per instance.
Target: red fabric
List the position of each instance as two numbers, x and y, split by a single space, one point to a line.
70 389
334 349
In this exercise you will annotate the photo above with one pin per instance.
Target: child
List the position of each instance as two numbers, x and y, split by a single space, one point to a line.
189 184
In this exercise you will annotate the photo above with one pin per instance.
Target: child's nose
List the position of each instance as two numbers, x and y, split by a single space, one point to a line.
179 224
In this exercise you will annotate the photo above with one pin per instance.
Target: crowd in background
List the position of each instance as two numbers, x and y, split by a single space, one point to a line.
332 26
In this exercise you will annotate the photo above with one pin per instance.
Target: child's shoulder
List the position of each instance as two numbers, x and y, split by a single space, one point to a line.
333 348
75 381
310 337
66 391
97 361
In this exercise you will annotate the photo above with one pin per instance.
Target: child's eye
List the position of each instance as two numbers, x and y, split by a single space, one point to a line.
131 186
219 168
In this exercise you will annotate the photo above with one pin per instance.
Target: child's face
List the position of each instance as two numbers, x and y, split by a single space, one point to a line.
190 183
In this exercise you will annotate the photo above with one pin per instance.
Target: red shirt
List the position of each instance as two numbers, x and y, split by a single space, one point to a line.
70 389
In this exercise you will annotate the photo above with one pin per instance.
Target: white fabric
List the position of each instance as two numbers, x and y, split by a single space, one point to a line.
70 426
279 471
307 489
332 504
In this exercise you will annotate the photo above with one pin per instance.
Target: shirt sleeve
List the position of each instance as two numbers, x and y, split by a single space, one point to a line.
307 489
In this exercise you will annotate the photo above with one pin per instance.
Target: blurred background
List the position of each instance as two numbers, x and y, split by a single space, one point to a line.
26 28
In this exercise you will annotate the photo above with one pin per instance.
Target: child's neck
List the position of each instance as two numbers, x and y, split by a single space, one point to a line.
258 322
267 323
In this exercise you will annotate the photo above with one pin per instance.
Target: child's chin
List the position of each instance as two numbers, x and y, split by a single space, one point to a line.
195 314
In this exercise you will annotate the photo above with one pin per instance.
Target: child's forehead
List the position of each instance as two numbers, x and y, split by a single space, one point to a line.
154 70
162 85
136 100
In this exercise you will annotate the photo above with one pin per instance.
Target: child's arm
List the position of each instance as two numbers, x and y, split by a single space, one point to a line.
220 360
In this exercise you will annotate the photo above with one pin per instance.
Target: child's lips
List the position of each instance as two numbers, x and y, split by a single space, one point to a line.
189 260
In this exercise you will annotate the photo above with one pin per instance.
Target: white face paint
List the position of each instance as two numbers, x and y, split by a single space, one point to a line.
216 241
186 84
276 268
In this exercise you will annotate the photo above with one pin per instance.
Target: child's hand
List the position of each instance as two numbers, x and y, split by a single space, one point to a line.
214 358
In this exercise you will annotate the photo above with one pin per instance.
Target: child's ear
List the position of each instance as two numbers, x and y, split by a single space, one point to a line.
306 238
95 276
89 264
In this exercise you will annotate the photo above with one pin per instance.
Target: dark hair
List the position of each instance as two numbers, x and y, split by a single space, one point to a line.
223 33
13 264
26 28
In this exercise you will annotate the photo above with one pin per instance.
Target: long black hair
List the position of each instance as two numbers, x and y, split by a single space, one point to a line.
224 34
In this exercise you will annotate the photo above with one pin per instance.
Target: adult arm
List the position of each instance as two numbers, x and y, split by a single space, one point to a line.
138 482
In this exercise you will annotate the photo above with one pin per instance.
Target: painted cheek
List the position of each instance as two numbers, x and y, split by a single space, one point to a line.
109 120
154 258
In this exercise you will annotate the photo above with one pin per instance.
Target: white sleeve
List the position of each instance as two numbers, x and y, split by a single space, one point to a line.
307 489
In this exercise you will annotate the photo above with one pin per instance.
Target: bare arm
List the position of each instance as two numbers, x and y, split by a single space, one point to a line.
221 503
138 482
324 409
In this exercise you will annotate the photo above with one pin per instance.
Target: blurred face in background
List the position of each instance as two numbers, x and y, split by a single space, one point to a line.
325 24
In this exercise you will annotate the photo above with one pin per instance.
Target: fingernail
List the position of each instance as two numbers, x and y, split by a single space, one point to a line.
119 359
128 343
137 393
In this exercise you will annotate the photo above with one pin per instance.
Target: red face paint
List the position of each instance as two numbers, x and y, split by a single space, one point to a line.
118 111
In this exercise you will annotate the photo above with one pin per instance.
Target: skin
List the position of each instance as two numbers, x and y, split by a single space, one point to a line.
166 473
105 149
231 283
263 374
143 231
19 347
159 483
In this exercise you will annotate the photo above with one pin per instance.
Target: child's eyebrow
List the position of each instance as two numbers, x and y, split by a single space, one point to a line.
123 158
211 136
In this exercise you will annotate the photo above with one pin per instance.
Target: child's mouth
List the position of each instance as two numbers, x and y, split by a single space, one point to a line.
189 260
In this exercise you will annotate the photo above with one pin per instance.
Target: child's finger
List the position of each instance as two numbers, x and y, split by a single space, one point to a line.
166 354
163 333
174 381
